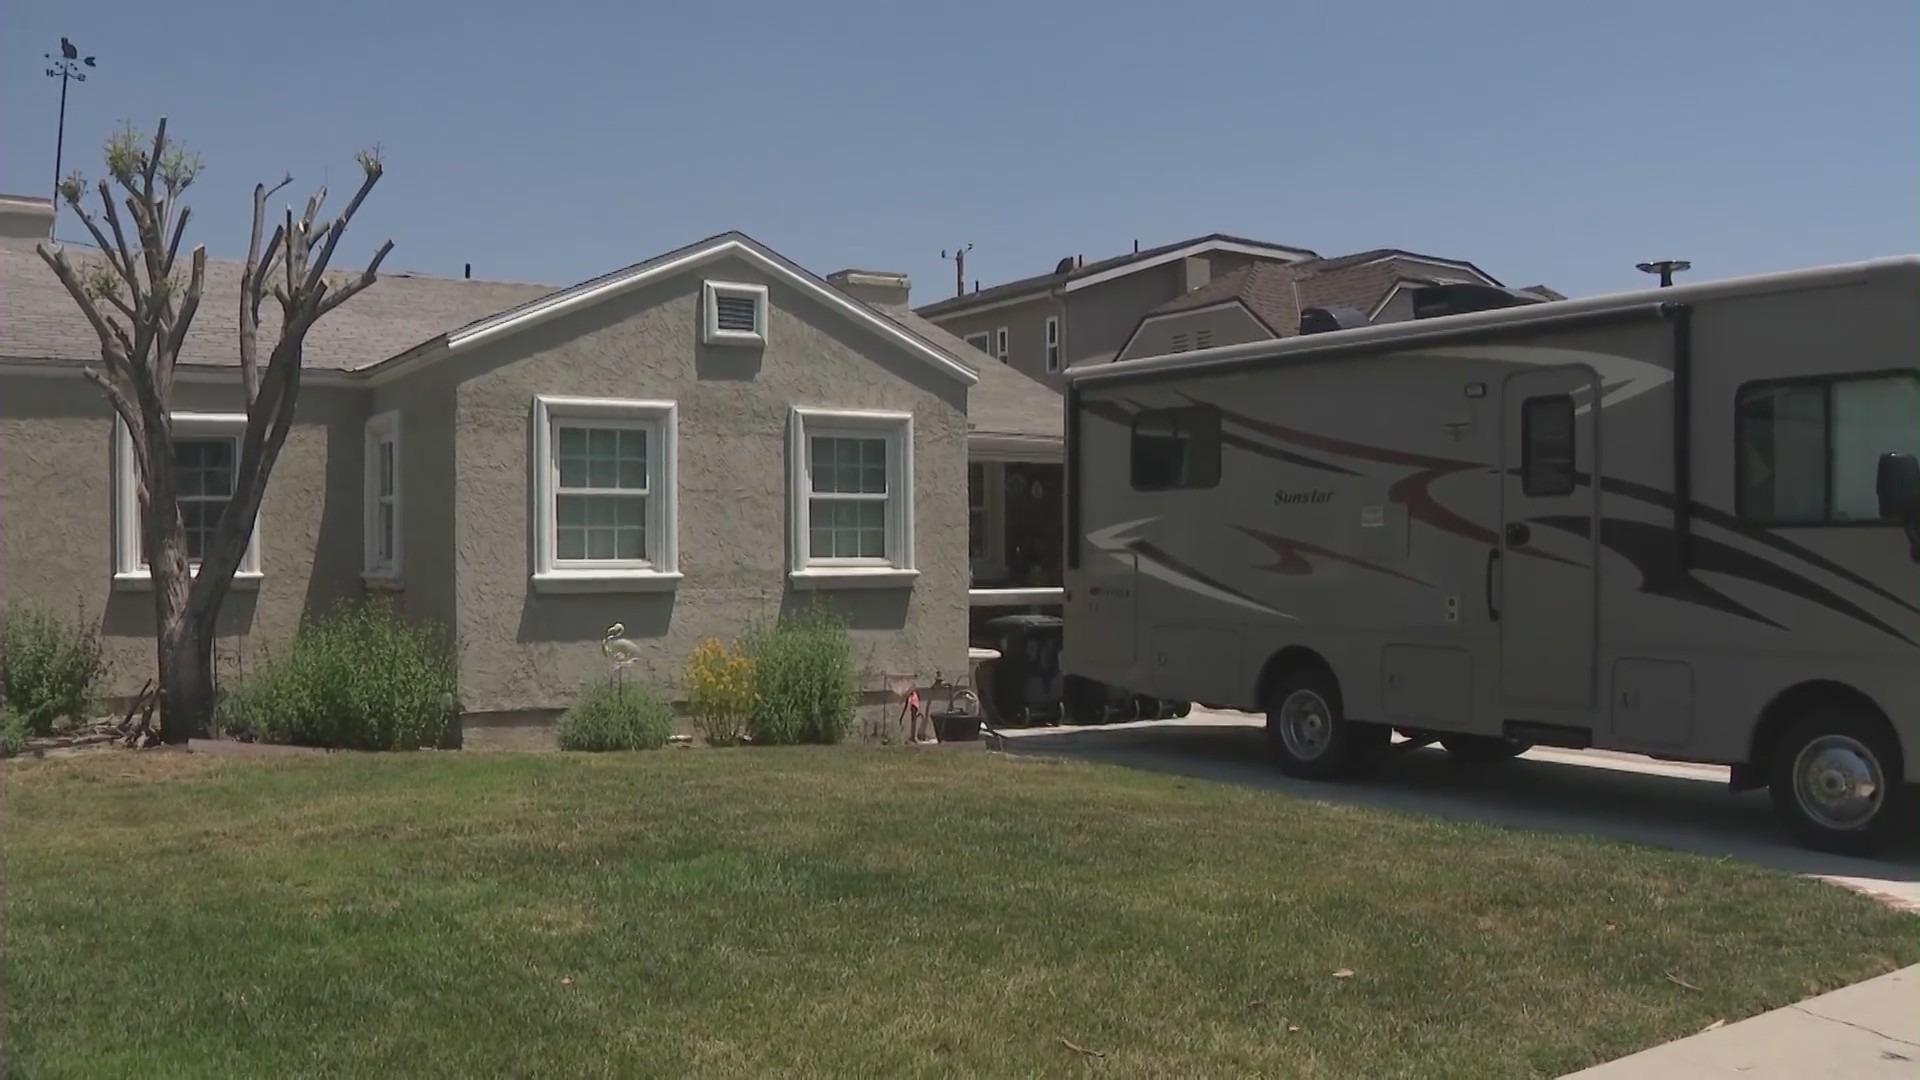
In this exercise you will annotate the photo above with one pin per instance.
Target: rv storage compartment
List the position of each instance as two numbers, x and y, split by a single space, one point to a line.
1024 685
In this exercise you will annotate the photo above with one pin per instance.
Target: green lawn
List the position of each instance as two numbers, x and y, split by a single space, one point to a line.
849 912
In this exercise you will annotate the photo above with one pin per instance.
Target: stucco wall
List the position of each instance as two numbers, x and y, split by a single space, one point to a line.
1026 324
1230 324
527 650
56 519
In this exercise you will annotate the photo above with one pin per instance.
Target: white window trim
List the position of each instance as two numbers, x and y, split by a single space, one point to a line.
662 571
806 423
384 428
710 294
982 341
1053 344
991 564
129 572
1000 351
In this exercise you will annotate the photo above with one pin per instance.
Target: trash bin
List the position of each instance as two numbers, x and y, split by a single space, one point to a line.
1024 685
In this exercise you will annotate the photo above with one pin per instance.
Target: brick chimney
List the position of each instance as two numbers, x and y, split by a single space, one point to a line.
880 288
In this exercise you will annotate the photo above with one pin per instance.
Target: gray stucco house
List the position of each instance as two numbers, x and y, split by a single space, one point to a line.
685 445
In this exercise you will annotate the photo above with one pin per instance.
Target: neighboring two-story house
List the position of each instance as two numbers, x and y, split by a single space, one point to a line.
1264 300
1085 312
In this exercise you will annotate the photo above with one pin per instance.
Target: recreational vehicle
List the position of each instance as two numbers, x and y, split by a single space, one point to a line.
1683 522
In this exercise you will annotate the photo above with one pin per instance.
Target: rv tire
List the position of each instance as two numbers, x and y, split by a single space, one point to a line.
1483 749
1309 734
1835 780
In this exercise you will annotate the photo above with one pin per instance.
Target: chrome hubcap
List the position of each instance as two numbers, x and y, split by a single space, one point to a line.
1306 725
1837 782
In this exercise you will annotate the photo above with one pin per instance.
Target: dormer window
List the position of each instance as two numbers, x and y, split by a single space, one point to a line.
733 314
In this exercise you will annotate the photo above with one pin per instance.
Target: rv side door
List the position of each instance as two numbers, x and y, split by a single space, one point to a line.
1548 588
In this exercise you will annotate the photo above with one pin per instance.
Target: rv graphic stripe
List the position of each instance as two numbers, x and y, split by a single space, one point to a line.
1290 557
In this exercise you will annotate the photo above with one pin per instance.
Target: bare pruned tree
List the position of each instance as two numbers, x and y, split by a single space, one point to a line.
136 301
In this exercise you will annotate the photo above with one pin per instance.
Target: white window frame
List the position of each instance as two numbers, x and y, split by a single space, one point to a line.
1000 351
712 334
990 564
1053 344
982 341
661 569
130 571
805 424
383 429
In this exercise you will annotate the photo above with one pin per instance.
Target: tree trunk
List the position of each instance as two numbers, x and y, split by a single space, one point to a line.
186 670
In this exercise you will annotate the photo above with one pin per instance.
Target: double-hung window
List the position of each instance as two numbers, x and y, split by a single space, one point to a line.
852 497
604 477
206 468
382 492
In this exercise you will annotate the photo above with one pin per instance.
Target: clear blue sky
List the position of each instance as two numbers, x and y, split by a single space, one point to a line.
1547 142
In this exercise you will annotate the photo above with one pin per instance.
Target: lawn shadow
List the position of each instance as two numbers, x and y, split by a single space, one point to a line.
1686 812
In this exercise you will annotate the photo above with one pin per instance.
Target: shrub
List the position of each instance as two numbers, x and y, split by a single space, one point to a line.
720 691
804 688
13 733
49 670
615 716
360 678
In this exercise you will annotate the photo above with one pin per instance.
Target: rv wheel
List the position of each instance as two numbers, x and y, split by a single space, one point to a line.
1483 749
1832 779
1309 733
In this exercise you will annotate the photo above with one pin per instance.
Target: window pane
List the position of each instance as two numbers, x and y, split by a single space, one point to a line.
1547 446
573 472
1871 417
571 511
630 512
873 543
630 543
633 475
386 468
600 544
603 472
572 544
573 441
603 512
1783 453
384 538
603 443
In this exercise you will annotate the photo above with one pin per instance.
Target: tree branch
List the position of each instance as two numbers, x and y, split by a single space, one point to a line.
252 281
348 290
179 229
110 349
338 227
169 353
125 264
117 398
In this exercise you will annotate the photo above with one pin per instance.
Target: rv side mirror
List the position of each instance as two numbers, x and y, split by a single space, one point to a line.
1897 482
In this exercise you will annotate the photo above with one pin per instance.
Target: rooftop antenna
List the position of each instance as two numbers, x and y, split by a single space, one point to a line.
1666 268
67 68
959 257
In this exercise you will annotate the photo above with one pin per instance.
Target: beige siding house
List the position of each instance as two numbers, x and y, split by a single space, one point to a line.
1263 300
685 446
1084 312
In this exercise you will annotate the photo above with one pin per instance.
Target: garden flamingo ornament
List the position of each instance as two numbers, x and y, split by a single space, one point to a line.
619 651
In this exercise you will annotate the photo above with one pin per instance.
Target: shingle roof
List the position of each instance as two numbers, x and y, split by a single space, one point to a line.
39 321
1061 277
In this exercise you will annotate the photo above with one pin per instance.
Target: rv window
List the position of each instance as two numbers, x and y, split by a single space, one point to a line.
1176 448
1546 446
1807 450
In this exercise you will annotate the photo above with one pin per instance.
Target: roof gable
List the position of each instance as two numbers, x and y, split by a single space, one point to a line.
726 245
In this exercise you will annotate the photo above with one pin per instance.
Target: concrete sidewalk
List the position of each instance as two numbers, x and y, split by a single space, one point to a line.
1870 1029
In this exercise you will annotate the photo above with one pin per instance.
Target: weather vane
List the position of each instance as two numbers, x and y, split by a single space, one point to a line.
67 67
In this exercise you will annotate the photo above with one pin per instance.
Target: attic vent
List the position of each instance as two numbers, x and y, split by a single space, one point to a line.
1180 343
1203 339
738 313
734 314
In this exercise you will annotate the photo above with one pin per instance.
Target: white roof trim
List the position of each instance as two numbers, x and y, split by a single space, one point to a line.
562 303
1229 302
1205 246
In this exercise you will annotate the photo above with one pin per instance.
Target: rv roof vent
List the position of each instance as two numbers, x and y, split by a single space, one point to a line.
1434 301
1064 265
1316 320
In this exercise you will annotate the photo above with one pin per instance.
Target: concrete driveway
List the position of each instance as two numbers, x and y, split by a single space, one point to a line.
1620 796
